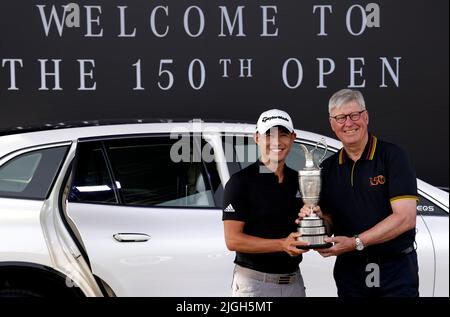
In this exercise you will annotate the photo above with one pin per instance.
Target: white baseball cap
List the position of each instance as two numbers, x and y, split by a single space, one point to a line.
272 118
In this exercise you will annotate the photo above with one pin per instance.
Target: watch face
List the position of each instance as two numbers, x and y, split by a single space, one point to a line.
359 245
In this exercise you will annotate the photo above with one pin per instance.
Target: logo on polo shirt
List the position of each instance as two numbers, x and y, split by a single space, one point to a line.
377 180
229 208
298 194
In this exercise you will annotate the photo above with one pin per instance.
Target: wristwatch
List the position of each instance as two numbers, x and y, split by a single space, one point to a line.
359 243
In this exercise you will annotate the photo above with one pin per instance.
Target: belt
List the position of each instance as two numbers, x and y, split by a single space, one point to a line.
289 278
407 250
391 256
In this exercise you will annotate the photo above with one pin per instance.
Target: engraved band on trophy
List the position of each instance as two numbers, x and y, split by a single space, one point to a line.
312 228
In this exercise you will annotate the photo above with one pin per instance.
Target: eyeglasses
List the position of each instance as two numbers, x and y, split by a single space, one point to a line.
354 116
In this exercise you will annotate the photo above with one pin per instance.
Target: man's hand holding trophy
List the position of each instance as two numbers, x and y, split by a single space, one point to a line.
311 224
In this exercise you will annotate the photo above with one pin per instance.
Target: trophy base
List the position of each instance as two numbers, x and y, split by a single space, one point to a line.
316 246
313 231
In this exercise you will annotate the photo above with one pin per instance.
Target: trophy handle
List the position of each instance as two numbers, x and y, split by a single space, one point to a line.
309 158
309 161
324 143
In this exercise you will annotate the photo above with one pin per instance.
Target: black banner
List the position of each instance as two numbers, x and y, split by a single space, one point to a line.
230 60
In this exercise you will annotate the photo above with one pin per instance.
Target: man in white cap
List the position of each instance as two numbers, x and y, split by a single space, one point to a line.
261 203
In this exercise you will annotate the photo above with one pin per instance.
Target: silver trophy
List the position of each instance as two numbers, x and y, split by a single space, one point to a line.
312 227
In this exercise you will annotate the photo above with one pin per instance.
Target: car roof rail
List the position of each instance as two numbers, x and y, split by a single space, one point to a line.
101 122
81 123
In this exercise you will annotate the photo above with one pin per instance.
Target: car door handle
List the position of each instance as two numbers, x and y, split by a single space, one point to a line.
131 237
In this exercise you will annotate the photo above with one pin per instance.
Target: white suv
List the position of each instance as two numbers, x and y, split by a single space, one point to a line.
135 210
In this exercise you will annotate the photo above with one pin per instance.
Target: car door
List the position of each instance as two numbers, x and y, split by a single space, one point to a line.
432 242
147 212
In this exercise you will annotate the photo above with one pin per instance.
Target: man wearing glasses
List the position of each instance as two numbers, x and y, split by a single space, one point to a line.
370 193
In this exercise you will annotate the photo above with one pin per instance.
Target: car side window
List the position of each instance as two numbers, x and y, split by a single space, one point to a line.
92 181
427 208
30 175
159 171
241 151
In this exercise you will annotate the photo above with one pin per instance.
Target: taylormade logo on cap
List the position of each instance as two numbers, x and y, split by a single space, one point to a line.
273 118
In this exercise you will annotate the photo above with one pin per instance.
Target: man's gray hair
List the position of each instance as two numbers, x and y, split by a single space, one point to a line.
345 96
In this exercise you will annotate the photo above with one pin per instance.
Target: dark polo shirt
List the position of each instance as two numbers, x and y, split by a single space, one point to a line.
358 195
269 209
